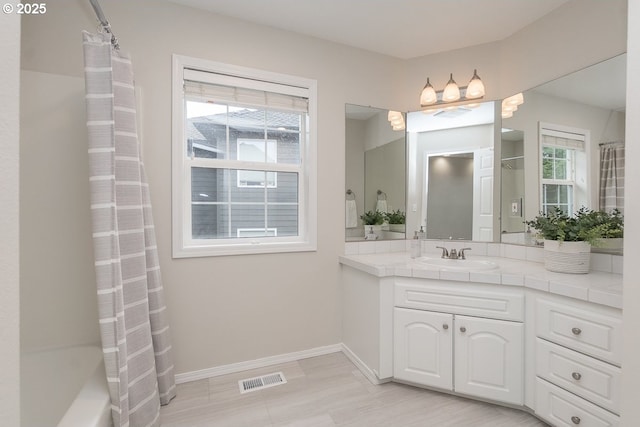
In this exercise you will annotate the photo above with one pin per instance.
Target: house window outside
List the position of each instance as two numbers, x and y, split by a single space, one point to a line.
244 161
257 150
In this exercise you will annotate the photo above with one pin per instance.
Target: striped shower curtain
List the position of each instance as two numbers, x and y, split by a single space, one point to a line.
612 177
132 312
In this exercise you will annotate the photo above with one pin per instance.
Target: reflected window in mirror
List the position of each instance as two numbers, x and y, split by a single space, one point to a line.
587 107
564 168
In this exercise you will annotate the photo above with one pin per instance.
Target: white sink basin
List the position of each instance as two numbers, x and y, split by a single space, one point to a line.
458 264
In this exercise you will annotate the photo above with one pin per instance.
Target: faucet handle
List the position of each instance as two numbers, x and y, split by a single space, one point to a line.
445 252
461 253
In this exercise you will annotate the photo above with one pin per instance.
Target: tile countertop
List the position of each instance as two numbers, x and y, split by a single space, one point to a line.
598 287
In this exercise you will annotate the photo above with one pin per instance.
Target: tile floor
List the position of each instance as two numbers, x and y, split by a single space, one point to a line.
328 391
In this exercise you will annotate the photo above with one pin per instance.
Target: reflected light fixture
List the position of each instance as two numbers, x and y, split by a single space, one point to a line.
451 93
396 119
510 104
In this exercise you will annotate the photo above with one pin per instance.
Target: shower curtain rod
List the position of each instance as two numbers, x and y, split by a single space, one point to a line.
611 143
103 21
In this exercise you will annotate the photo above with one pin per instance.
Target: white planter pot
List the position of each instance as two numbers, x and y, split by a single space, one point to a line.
611 244
398 228
567 257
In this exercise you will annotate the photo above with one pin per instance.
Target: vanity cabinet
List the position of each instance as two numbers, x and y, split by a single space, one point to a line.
423 347
452 350
578 348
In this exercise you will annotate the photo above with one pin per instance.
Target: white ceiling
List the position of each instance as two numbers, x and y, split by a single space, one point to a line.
400 28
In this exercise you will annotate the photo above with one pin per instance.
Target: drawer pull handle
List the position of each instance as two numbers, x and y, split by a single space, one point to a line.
575 420
576 331
463 329
576 375
445 326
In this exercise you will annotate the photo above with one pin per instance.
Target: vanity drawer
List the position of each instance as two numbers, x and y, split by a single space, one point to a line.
563 409
585 328
473 299
596 381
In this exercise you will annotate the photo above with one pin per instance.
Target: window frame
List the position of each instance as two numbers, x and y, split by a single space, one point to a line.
579 167
183 245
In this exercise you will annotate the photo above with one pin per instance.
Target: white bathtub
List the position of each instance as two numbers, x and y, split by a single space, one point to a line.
64 388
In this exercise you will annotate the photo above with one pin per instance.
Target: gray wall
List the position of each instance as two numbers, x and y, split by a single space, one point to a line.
384 169
450 208
9 219
57 279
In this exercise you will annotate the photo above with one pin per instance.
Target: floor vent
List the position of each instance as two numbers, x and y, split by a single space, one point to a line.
258 383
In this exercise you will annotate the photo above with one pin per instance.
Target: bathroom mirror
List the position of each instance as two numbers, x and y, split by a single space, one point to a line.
375 172
589 102
451 172
512 200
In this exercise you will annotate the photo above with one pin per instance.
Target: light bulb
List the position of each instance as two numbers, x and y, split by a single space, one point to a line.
428 95
475 89
451 91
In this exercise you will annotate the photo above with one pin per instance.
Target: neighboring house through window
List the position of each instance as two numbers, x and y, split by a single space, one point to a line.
243 160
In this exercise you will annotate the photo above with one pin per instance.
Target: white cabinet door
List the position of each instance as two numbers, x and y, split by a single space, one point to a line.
489 359
423 347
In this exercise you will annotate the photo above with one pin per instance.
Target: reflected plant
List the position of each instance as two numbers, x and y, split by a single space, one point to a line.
396 217
373 218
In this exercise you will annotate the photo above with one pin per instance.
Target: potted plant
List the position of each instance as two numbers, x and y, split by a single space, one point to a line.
373 220
567 239
396 220
610 227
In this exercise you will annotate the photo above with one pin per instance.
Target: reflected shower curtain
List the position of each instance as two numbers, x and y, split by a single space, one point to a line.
612 177
132 312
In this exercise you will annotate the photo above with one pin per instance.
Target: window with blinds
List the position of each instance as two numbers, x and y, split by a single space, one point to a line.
560 151
243 160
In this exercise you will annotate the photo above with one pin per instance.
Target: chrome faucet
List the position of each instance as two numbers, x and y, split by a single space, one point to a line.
445 252
453 253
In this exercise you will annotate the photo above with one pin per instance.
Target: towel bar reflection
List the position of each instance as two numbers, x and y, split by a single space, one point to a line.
351 195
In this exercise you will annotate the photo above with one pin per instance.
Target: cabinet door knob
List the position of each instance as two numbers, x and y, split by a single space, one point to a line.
445 326
576 375
575 420
576 331
463 329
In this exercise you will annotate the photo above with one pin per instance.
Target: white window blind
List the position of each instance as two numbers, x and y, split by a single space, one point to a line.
224 89
562 140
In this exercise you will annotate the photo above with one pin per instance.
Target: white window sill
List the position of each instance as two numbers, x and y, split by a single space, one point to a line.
247 248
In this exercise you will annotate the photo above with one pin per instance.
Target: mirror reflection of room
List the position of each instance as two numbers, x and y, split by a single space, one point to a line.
451 171
375 200
573 147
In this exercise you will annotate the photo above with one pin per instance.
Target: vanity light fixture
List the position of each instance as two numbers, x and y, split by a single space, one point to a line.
396 119
451 93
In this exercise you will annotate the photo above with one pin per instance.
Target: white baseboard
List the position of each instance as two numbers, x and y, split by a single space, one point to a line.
258 363
366 371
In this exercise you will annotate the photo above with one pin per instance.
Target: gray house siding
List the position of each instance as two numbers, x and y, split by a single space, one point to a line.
219 206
